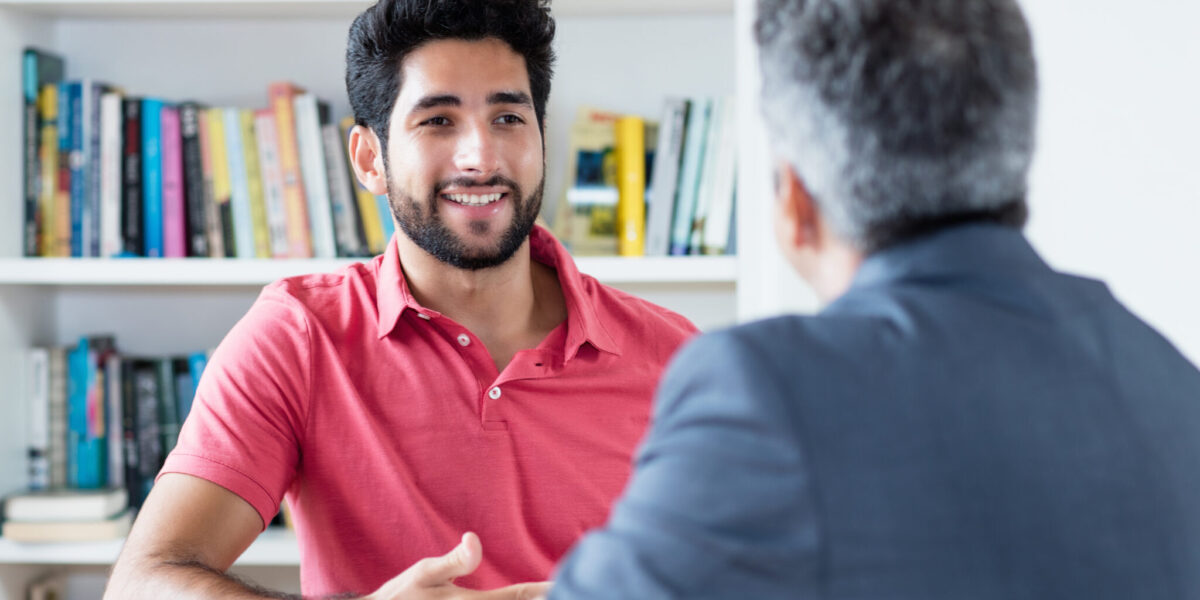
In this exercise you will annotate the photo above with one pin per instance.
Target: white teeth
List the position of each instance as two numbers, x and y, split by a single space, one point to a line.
474 199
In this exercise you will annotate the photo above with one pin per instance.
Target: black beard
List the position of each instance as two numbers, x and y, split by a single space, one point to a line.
426 230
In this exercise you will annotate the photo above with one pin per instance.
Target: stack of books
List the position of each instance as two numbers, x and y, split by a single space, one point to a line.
67 515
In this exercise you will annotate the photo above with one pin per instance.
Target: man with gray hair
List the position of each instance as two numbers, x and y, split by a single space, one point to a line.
960 420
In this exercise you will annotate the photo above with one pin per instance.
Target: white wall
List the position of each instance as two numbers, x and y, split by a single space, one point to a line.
1116 181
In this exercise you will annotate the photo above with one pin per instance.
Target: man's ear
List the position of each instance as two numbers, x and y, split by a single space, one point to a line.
367 159
795 212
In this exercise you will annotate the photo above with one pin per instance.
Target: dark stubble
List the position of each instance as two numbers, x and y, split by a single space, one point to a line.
424 226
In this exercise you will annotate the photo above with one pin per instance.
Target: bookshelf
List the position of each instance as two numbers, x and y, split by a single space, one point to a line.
624 55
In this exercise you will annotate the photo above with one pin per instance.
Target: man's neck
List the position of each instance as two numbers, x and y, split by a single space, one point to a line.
509 307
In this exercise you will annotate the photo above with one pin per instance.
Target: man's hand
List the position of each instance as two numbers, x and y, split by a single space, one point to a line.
434 578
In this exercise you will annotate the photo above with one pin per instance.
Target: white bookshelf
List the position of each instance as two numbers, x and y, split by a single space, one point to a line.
624 55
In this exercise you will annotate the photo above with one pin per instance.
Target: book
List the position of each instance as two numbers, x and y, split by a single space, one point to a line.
212 215
52 243
149 452
311 114
630 148
152 178
665 177
69 531
133 242
347 226
65 505
272 181
222 186
38 68
92 93
110 174
194 198
87 460
586 219
294 197
239 186
706 187
37 394
718 223
174 213
168 404
689 175
65 217
254 185
57 390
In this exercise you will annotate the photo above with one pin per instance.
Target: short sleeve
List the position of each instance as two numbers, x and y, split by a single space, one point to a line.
246 425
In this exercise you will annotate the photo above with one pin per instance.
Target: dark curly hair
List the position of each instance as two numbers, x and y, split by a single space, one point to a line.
384 34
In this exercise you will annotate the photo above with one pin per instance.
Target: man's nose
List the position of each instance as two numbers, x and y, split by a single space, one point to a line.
477 151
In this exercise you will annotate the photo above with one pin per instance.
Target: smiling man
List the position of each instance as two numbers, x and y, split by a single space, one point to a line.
468 380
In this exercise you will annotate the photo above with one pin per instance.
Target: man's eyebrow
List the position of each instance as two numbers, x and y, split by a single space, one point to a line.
510 97
429 102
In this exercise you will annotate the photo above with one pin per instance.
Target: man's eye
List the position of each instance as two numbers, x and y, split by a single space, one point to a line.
510 120
436 121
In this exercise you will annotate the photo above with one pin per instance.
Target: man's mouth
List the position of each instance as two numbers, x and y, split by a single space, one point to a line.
474 199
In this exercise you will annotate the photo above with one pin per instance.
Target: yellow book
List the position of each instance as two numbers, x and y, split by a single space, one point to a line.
294 196
221 185
51 244
631 186
254 183
367 209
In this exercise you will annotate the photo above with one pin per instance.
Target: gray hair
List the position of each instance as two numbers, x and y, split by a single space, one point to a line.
901 116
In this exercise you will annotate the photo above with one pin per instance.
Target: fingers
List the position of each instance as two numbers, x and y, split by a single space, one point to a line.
462 560
521 591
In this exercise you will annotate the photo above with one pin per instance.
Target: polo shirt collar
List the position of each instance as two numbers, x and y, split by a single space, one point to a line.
584 324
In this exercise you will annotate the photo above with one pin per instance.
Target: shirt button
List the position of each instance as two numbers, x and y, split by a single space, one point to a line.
494 393
463 339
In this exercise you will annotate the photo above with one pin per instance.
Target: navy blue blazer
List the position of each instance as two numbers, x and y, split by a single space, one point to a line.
963 423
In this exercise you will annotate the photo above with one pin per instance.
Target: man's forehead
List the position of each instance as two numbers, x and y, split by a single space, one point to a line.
458 67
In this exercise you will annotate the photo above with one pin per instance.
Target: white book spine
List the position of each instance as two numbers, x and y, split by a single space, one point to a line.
312 167
114 413
38 393
272 176
665 176
239 193
110 174
720 212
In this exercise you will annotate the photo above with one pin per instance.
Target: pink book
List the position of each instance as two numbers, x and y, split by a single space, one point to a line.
174 226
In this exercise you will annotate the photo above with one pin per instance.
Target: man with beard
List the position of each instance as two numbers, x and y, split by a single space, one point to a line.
468 380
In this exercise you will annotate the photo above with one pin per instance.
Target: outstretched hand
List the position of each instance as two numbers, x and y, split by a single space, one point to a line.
433 578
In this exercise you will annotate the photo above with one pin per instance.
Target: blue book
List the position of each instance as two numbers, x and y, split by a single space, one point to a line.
690 175
87 456
152 197
196 363
71 147
385 218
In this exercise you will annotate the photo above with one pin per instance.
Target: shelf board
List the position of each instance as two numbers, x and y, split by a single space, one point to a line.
274 547
326 8
154 272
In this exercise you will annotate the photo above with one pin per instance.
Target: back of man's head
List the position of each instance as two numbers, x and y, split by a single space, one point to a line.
384 34
901 116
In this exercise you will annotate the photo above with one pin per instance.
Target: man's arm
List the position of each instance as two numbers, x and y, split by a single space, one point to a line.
720 503
189 532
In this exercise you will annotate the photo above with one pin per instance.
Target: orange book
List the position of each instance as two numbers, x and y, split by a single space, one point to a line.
294 200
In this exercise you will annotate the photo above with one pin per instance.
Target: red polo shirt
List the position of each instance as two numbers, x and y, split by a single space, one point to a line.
391 433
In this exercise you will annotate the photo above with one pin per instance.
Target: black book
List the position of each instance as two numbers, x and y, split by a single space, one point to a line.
149 437
129 434
195 204
38 68
132 235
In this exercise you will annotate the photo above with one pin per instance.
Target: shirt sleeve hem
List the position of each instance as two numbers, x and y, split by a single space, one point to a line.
227 477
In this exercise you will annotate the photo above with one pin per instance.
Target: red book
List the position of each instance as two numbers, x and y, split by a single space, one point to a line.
174 223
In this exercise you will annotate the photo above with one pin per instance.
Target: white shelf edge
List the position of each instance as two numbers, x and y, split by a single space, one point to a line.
257 272
274 547
326 8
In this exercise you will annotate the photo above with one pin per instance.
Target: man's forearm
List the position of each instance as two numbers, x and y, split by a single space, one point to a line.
186 580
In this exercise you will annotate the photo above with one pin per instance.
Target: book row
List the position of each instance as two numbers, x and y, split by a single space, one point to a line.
100 419
637 187
109 175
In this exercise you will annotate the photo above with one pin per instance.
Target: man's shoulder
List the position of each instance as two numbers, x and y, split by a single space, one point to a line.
352 283
618 309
